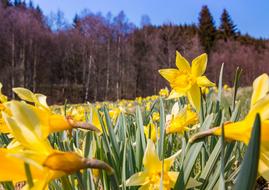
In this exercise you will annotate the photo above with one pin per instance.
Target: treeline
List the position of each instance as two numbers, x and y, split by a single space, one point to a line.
107 57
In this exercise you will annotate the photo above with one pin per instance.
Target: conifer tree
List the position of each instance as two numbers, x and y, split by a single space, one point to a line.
207 29
227 27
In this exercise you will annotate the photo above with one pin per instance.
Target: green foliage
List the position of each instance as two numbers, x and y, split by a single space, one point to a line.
227 28
249 169
207 29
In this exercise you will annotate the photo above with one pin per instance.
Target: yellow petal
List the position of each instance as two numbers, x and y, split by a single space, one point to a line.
264 161
169 74
261 107
151 160
174 94
38 185
12 168
203 81
3 127
194 96
239 131
181 63
34 119
57 123
42 100
69 162
199 65
168 162
27 137
140 178
145 187
173 177
175 109
25 94
260 88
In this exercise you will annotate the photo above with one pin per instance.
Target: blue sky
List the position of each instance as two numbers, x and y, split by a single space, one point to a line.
250 16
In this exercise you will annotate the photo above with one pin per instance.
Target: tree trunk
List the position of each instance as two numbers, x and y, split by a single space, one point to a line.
13 64
88 79
107 69
118 70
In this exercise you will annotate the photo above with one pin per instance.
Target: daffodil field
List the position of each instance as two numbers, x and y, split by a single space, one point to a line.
200 135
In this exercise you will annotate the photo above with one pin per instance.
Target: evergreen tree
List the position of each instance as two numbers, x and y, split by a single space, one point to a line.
31 4
17 2
39 10
207 29
227 28
76 21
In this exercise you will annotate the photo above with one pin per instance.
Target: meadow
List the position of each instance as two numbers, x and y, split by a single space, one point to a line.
213 138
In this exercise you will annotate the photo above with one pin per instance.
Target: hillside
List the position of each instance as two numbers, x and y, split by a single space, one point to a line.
108 58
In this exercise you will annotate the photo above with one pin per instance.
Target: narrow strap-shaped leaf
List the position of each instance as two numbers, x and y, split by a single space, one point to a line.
248 172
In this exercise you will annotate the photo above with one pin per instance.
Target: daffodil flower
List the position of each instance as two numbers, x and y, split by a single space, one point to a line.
241 130
150 178
187 79
51 122
150 131
3 108
164 92
180 120
46 163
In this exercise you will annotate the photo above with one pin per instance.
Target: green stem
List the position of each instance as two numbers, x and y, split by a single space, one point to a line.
28 175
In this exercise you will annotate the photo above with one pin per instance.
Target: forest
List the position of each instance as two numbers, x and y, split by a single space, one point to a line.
106 57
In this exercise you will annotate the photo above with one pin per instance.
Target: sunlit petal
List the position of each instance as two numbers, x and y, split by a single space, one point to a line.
140 178
151 160
169 74
168 162
236 131
260 88
203 81
173 94
194 96
199 65
181 63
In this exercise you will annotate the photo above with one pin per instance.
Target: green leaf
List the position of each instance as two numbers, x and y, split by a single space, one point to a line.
162 130
28 175
139 121
191 157
220 84
248 172
236 85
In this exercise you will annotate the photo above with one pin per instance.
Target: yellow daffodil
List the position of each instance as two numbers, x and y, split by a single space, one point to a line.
152 130
49 122
46 163
164 92
77 113
94 120
205 90
114 114
187 79
241 130
3 98
3 108
150 178
180 120
226 87
148 106
139 100
155 116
